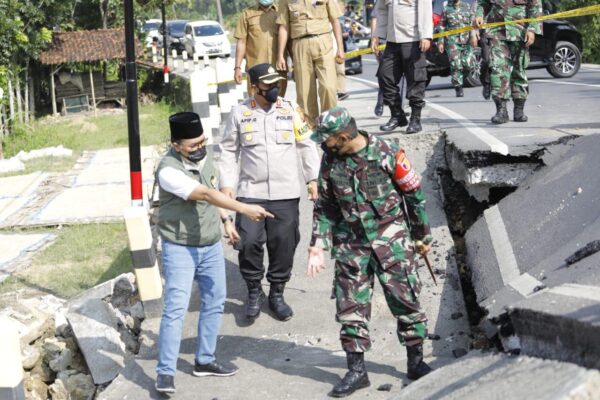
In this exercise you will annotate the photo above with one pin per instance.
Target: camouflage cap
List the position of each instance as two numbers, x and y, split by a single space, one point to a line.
331 121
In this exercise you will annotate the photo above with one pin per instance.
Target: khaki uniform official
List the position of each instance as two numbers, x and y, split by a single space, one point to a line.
309 25
258 28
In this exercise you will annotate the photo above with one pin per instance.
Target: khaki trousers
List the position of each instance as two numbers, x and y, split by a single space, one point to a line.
314 61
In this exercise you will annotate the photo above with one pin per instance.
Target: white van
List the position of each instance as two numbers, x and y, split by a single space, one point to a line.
206 37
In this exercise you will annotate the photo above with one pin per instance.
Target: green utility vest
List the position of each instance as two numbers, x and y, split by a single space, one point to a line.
188 222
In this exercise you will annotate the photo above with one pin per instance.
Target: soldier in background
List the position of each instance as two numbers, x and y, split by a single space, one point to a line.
456 14
257 40
509 52
359 215
309 24
481 40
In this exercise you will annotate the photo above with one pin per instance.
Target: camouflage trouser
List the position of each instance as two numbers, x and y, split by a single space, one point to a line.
460 56
508 63
353 292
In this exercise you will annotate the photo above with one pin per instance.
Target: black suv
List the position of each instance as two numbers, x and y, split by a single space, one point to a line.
558 49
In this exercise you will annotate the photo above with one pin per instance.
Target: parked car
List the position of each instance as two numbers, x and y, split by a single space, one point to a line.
175 34
558 49
206 37
150 30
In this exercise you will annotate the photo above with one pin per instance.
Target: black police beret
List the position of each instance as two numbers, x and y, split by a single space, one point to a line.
185 125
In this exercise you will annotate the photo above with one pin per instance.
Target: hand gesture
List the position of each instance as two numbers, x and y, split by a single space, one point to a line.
375 45
231 233
425 45
237 75
256 213
529 38
422 248
339 57
477 22
313 193
316 261
281 64
475 38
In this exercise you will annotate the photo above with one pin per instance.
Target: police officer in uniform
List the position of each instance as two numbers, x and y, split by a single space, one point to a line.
309 24
265 136
359 216
407 26
257 41
188 224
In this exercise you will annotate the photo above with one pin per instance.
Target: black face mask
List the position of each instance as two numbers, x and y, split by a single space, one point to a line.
332 151
270 95
197 155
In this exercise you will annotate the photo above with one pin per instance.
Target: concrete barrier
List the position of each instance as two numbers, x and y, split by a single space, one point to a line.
225 87
11 367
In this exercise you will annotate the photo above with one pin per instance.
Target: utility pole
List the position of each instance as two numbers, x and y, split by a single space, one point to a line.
163 11
219 12
133 123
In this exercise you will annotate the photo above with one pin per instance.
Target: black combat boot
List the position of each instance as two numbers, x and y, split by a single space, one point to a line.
486 91
459 91
501 116
256 297
416 367
398 119
414 125
356 377
277 303
518 115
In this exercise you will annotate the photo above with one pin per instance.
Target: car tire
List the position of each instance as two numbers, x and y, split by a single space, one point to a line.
473 80
566 60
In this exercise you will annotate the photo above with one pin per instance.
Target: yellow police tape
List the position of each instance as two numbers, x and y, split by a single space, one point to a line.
578 12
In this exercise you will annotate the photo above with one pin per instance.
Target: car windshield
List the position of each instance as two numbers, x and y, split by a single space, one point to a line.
208 30
151 26
177 28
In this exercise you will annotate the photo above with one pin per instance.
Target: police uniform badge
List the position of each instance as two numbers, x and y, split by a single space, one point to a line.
248 137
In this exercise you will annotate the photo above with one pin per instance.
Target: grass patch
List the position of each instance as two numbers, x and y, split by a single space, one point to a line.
81 257
80 133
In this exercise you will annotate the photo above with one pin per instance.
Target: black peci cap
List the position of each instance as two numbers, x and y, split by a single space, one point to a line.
185 125
264 73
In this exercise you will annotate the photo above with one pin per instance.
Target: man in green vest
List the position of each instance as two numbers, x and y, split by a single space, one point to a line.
189 226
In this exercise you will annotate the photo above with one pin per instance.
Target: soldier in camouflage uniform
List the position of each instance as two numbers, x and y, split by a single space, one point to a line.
456 15
359 215
509 52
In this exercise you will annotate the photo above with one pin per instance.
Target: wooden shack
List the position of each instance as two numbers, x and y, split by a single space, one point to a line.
82 91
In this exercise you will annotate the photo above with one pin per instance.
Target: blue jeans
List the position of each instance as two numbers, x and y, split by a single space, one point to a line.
182 265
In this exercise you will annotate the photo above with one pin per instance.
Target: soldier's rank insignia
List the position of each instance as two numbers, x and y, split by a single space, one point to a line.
247 113
248 138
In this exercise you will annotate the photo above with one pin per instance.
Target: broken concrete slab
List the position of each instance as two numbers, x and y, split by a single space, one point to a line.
98 189
520 245
17 191
33 316
94 328
561 323
486 376
17 249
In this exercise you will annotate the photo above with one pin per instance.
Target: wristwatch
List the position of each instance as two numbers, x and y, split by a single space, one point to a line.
227 218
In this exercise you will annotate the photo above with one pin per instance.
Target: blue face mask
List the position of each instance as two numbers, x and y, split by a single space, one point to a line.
265 3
